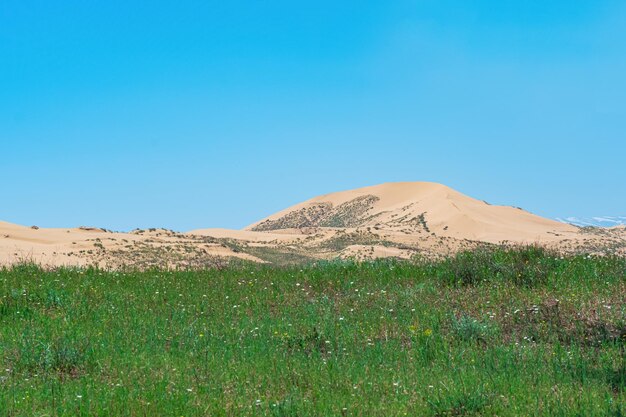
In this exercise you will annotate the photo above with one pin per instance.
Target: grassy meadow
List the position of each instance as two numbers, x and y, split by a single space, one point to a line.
507 332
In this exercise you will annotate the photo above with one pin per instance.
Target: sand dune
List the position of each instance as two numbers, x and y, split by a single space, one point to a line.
388 220
248 235
93 246
418 207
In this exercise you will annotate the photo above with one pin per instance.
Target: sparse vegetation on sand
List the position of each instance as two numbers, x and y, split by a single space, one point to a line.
347 214
507 332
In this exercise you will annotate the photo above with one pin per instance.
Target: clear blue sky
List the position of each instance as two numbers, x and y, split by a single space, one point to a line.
191 114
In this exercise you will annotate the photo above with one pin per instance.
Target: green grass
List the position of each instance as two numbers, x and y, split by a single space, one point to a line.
509 332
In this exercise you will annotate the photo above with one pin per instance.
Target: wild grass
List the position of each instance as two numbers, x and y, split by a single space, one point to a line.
507 332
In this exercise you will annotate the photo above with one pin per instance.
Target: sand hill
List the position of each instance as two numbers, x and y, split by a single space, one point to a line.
417 208
403 220
389 220
84 246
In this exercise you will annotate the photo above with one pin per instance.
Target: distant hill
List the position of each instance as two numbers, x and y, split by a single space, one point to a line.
416 208
399 220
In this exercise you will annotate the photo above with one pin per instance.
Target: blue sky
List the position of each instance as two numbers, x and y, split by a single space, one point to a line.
192 114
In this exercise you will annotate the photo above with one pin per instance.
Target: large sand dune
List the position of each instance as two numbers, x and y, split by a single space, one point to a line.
394 219
418 207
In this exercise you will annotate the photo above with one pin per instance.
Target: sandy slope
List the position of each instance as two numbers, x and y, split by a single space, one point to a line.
445 212
47 246
93 246
389 220
248 235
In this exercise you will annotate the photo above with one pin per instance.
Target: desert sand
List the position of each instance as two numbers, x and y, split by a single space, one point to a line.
388 220
402 206
86 246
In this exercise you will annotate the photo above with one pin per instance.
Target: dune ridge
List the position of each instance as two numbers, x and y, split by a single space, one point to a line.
417 207
388 220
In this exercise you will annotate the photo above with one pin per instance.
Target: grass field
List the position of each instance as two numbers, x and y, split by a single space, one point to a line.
508 332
